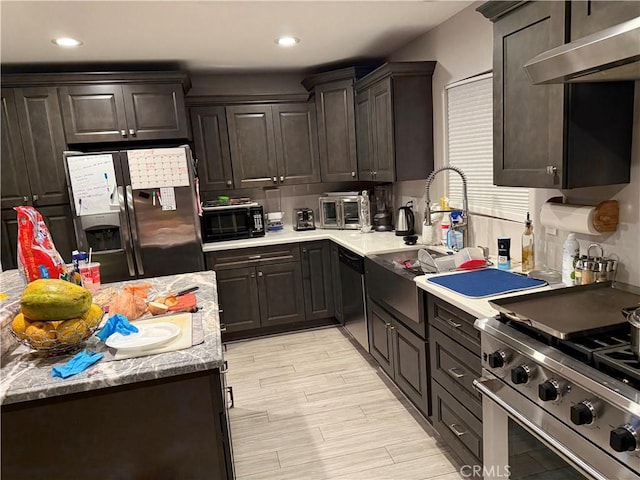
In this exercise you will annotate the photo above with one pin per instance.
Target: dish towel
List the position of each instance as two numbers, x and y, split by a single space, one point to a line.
486 282
78 363
116 323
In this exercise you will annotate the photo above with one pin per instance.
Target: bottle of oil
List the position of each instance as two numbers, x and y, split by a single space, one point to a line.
528 246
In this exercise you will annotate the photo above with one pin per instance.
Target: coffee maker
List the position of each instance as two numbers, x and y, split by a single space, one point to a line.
383 219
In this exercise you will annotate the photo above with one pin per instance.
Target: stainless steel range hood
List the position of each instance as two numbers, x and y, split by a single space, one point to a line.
609 55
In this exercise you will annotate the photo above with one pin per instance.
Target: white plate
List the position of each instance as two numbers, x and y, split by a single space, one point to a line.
147 336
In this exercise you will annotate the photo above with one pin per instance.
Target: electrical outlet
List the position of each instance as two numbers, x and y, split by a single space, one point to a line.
551 231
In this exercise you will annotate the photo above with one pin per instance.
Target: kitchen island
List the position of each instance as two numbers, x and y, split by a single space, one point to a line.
157 416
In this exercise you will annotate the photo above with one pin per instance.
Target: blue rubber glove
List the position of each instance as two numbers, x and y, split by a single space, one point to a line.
117 323
78 363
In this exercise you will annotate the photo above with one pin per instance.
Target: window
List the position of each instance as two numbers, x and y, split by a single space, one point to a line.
469 146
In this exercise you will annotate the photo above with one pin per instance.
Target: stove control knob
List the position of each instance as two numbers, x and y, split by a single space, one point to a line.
521 374
583 413
497 359
624 439
549 390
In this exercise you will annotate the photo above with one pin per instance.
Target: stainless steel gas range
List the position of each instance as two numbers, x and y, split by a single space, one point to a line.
555 405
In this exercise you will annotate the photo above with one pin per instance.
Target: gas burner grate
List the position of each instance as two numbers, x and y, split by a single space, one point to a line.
621 363
584 348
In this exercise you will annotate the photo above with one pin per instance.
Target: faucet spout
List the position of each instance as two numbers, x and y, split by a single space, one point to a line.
465 203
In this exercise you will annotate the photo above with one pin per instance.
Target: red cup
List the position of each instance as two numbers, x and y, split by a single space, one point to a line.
90 274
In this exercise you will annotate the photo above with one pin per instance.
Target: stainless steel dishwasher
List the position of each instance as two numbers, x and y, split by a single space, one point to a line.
353 295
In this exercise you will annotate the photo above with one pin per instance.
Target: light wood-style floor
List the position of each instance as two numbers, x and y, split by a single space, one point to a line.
309 406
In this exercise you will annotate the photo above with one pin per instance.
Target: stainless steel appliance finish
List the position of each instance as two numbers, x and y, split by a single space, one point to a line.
612 54
583 415
340 211
567 312
406 220
232 222
303 219
139 238
353 295
464 216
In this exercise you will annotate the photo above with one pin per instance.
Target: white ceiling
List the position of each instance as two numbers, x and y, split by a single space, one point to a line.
213 35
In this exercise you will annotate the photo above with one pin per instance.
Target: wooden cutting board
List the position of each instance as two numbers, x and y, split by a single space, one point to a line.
182 320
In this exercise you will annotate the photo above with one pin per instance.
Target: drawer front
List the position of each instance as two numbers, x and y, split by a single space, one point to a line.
455 367
246 257
458 427
454 322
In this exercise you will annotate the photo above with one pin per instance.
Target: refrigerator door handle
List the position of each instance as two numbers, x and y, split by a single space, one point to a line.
125 232
134 230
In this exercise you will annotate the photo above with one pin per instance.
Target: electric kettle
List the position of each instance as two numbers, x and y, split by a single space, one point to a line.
406 220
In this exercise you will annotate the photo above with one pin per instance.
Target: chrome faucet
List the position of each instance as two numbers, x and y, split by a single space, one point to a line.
464 219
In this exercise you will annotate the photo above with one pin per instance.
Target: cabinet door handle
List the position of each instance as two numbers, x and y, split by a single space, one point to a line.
259 274
453 324
454 372
132 132
353 174
456 430
387 325
304 250
223 328
35 198
254 257
229 183
225 368
375 174
551 170
282 178
253 275
392 328
25 199
123 133
275 179
230 392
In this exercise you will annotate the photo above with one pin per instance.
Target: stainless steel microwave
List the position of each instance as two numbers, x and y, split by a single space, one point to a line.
231 222
340 211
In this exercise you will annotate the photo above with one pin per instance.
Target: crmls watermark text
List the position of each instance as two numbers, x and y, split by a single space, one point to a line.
485 471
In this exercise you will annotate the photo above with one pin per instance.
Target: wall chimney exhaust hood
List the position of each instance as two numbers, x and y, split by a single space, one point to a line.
612 54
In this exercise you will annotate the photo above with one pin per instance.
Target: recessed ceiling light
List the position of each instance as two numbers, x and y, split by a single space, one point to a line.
66 42
287 41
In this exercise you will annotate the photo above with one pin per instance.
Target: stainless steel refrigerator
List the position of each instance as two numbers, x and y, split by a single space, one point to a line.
137 210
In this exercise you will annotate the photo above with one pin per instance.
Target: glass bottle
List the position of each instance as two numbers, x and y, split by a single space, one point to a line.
365 213
528 246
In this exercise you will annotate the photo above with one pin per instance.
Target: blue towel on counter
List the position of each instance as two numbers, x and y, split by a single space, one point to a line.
486 282
78 363
116 323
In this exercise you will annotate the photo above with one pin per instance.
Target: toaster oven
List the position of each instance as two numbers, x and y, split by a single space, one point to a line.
340 211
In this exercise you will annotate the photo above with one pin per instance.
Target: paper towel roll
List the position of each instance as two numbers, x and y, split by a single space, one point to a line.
569 218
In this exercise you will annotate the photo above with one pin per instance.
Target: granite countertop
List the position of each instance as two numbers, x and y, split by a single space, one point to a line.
360 243
25 375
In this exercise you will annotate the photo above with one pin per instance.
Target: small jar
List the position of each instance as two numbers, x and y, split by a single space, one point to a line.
600 270
588 273
612 267
577 271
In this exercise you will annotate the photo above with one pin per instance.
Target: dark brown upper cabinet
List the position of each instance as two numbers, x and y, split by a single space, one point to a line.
394 122
552 136
588 17
32 146
334 99
209 127
273 144
129 112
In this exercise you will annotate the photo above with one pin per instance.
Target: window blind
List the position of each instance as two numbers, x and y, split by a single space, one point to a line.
469 131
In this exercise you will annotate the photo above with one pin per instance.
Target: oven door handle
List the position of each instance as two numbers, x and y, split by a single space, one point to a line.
484 386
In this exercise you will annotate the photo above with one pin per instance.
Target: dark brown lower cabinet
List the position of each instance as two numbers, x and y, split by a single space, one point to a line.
317 280
58 219
454 347
280 293
401 353
174 427
267 289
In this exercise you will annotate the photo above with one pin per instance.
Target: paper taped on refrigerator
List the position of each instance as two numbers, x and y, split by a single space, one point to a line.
93 181
157 168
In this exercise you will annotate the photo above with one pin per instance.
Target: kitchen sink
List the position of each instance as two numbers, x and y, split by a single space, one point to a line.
394 261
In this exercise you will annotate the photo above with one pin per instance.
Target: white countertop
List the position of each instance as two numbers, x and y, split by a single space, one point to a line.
478 307
360 243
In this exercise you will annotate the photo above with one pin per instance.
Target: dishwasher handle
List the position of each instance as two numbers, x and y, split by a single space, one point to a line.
351 260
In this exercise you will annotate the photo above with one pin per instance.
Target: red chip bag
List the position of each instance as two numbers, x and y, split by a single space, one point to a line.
37 256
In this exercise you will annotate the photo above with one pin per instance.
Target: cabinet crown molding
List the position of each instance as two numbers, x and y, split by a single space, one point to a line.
95 78
349 73
222 100
493 10
396 68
